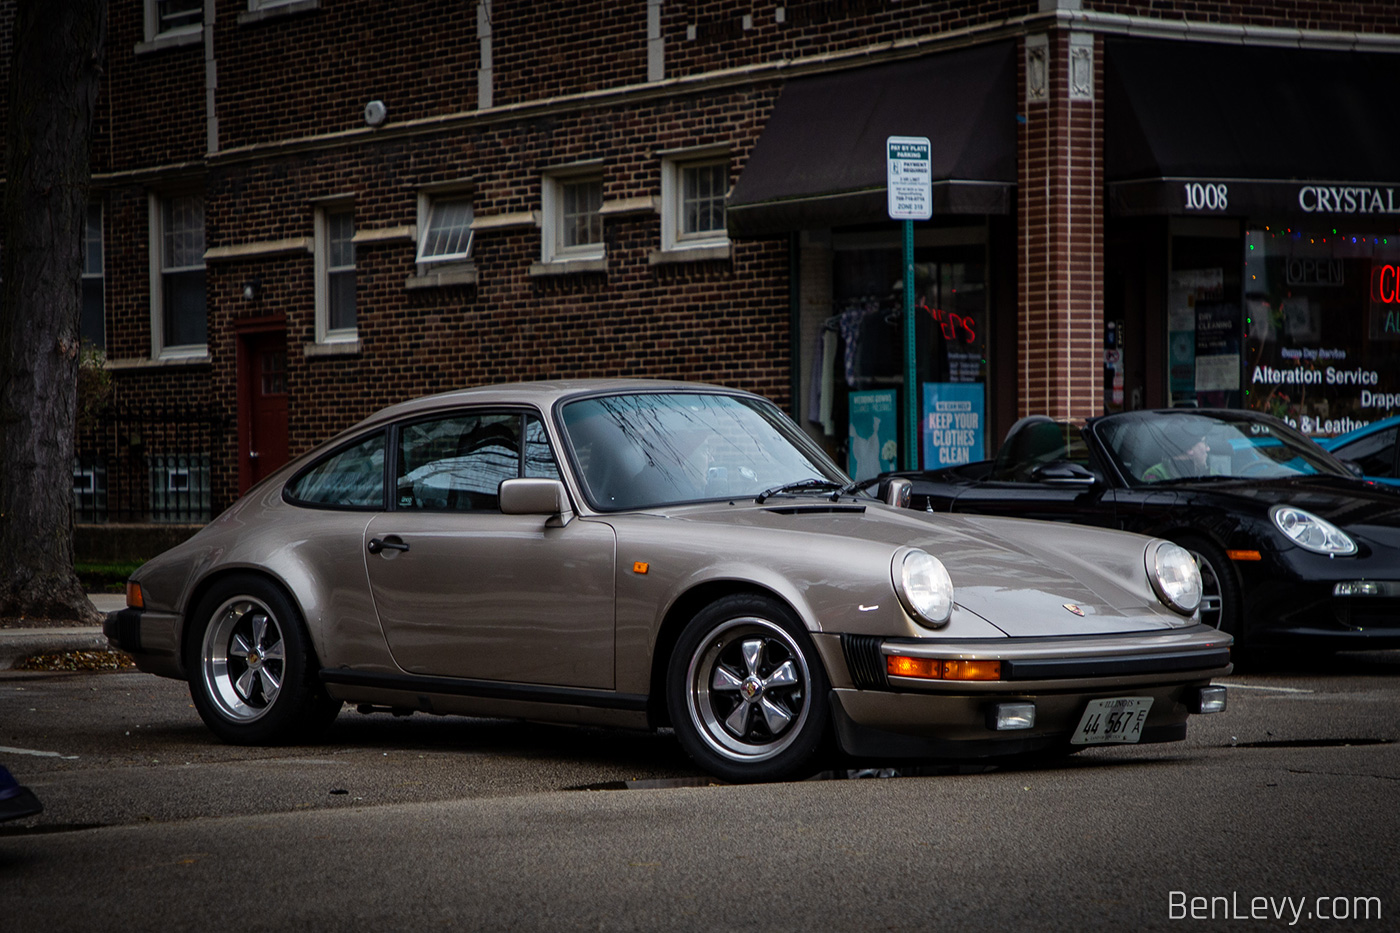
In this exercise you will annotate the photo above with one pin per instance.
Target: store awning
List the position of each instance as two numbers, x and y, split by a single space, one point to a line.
820 160
1196 128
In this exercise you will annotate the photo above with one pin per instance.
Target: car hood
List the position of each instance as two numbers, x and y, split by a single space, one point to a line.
1364 509
1027 578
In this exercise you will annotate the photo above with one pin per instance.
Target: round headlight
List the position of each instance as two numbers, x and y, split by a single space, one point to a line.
1312 533
924 587
1175 577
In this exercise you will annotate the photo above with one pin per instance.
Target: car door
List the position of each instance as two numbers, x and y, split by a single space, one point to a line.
1043 472
463 590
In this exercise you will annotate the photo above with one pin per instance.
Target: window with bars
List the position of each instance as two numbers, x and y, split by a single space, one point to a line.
702 199
693 188
447 231
573 222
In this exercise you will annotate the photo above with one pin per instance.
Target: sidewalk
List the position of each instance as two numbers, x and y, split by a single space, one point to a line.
19 643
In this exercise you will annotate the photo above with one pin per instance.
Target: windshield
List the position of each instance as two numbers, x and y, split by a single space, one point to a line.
639 451
1161 447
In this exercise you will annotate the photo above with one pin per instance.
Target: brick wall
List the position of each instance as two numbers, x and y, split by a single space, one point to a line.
1060 184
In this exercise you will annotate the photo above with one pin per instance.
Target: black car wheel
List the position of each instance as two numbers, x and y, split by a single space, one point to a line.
1220 596
746 691
252 670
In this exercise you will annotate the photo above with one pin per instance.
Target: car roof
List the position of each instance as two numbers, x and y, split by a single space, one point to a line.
542 394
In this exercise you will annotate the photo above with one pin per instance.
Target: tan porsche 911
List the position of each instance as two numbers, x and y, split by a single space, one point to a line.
647 554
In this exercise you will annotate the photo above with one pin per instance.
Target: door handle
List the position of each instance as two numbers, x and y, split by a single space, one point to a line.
391 543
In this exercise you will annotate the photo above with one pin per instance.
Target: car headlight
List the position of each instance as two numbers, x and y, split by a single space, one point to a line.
1175 577
924 586
1312 533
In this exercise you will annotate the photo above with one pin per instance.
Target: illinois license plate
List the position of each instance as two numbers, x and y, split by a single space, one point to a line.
1117 720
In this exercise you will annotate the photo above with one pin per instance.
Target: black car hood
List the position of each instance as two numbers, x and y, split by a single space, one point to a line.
1356 505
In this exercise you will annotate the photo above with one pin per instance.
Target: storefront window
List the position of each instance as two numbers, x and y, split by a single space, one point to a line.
1205 329
858 364
1322 320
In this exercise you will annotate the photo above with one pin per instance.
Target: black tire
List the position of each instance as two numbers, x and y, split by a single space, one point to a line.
252 669
747 693
1220 598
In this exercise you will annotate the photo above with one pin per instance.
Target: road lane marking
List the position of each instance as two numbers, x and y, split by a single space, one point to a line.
1262 687
4 750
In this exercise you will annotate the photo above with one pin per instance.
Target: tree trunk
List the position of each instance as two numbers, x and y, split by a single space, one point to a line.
54 74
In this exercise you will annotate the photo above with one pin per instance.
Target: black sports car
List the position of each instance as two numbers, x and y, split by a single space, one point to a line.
1293 547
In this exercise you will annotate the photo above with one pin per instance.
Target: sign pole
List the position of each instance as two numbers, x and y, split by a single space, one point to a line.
911 400
909 191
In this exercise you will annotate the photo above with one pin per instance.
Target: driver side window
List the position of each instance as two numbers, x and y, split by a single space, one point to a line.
457 463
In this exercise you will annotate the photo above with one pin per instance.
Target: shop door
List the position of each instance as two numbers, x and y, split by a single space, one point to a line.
263 395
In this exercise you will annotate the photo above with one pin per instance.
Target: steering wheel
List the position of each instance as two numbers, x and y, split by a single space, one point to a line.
1256 467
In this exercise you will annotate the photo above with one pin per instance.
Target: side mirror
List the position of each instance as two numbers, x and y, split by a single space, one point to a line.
897 492
536 497
1353 467
1064 473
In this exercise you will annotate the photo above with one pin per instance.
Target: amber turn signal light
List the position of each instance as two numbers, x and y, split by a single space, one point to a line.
134 597
899 665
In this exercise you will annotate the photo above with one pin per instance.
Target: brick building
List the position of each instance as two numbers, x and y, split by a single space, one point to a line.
305 209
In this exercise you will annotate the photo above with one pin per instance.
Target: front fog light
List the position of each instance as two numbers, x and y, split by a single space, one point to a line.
1208 700
1007 716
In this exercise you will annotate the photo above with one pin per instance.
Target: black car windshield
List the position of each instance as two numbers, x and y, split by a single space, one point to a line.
643 450
1164 447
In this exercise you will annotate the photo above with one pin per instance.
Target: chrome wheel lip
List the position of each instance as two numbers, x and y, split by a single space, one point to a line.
1212 596
242 659
788 674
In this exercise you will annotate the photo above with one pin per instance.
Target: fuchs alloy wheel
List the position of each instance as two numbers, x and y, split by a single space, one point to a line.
746 692
251 667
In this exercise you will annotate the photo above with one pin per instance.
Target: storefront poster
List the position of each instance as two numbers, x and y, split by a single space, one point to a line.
874 427
954 423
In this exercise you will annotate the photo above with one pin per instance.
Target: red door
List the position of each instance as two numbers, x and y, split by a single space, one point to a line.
263 400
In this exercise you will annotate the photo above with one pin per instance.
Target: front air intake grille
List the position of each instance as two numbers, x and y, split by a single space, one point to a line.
865 662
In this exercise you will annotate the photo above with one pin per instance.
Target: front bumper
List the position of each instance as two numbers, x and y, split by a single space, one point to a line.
877 714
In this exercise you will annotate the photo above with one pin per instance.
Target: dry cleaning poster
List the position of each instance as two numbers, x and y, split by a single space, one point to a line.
954 419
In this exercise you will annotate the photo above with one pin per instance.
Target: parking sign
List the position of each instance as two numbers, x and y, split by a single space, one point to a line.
908 178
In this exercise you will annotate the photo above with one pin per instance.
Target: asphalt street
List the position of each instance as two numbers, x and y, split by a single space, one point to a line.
1280 812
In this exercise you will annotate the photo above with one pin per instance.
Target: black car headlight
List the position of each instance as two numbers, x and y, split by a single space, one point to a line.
1175 577
924 586
1312 533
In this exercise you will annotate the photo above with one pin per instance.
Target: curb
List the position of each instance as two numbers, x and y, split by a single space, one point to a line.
16 644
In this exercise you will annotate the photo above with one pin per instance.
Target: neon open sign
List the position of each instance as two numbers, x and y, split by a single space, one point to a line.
1385 284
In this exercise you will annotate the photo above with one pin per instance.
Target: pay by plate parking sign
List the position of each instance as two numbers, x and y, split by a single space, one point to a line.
908 178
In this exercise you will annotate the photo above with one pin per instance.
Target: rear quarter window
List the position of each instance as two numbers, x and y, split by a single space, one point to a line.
349 478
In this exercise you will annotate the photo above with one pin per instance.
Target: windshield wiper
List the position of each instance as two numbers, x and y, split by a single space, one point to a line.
810 483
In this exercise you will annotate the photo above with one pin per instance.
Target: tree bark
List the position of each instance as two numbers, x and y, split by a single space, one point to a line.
54 75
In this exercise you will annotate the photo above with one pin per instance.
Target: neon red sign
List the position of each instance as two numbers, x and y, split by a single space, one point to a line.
1385 284
952 323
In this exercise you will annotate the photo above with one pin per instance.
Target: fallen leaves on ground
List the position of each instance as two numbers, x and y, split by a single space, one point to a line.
78 661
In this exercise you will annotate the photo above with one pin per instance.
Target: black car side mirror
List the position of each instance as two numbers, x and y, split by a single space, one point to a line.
1064 473
1353 467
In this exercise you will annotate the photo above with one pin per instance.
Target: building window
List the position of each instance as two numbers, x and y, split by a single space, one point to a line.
692 198
180 311
447 230
573 222
335 274
93 327
171 18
